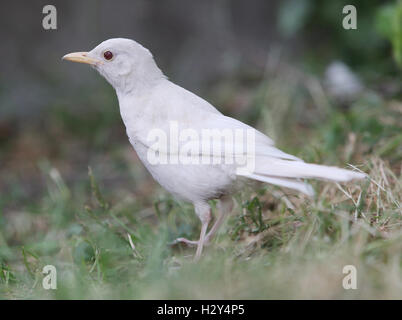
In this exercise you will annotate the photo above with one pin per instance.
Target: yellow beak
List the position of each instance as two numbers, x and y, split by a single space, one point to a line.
81 57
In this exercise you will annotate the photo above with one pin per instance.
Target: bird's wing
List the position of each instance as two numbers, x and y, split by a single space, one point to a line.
200 129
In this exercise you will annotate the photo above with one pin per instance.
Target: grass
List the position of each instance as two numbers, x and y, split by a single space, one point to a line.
107 229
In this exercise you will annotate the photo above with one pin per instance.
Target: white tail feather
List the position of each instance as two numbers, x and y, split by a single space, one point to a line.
286 173
283 182
299 169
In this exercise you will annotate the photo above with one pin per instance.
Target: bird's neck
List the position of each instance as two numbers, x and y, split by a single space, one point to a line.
134 98
140 80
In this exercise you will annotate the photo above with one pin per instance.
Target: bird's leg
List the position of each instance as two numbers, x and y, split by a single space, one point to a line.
224 207
215 226
203 211
200 244
209 235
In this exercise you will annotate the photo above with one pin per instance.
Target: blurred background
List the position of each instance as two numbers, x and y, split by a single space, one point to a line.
327 94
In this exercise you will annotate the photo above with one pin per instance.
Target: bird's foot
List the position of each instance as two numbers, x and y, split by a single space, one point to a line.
191 243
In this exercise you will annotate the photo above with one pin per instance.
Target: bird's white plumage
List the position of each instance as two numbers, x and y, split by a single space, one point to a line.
148 100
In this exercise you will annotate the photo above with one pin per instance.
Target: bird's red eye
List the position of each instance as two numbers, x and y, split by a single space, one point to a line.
108 55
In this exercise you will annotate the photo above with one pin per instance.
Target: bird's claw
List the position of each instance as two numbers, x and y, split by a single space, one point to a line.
190 243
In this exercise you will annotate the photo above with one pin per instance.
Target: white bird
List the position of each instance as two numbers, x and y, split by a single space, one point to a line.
151 106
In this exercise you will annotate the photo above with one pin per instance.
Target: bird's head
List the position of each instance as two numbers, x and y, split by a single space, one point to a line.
124 63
